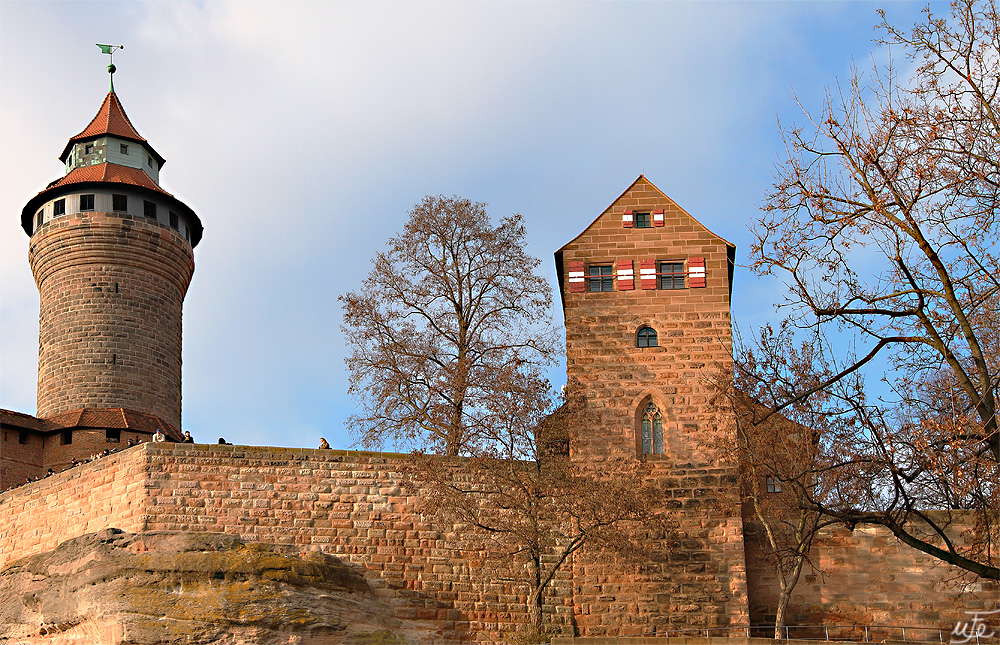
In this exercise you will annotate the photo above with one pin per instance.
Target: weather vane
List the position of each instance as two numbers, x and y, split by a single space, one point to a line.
110 51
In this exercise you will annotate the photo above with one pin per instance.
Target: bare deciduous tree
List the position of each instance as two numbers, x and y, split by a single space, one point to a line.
884 221
529 507
451 316
780 456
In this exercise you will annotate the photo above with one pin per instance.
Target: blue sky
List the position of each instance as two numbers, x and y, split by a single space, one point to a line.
303 132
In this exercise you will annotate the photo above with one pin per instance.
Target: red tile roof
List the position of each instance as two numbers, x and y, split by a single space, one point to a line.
108 172
92 418
110 119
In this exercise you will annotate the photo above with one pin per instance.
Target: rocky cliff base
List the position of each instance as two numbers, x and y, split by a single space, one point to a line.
113 587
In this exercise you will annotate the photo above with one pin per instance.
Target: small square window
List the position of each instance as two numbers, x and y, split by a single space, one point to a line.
124 148
149 209
59 207
113 435
119 203
173 221
642 220
86 202
88 149
772 485
671 275
599 278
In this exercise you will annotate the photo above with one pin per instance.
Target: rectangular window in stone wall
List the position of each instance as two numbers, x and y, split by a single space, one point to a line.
642 220
59 207
670 275
67 437
772 485
149 209
599 278
86 202
119 203
113 435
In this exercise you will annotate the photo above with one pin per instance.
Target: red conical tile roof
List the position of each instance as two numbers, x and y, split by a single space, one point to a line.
109 120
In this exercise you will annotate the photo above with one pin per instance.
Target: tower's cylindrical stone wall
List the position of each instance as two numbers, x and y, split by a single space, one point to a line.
112 289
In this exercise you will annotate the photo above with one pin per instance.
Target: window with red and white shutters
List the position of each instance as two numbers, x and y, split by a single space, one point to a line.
577 282
626 276
696 272
647 274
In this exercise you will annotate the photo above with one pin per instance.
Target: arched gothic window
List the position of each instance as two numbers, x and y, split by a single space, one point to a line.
652 430
645 337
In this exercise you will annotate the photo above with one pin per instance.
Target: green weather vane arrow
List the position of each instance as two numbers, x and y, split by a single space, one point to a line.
110 51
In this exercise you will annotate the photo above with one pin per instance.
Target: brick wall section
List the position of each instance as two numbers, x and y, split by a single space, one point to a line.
695 578
111 290
868 577
20 461
36 517
355 505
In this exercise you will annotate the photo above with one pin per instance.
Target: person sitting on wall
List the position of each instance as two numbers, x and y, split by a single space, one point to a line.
187 437
223 442
323 445
130 442
159 436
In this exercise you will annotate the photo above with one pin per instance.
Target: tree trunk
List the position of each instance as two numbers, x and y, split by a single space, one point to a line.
779 616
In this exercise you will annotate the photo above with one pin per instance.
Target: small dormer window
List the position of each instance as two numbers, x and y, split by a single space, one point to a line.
124 148
149 160
88 149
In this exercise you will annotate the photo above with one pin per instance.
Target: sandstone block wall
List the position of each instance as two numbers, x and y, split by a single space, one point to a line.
22 456
111 289
107 492
868 577
694 577
357 506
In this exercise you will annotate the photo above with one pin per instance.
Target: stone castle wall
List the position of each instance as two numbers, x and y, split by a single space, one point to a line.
867 577
111 289
357 506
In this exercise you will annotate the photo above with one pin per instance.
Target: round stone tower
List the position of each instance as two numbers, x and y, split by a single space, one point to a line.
112 255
